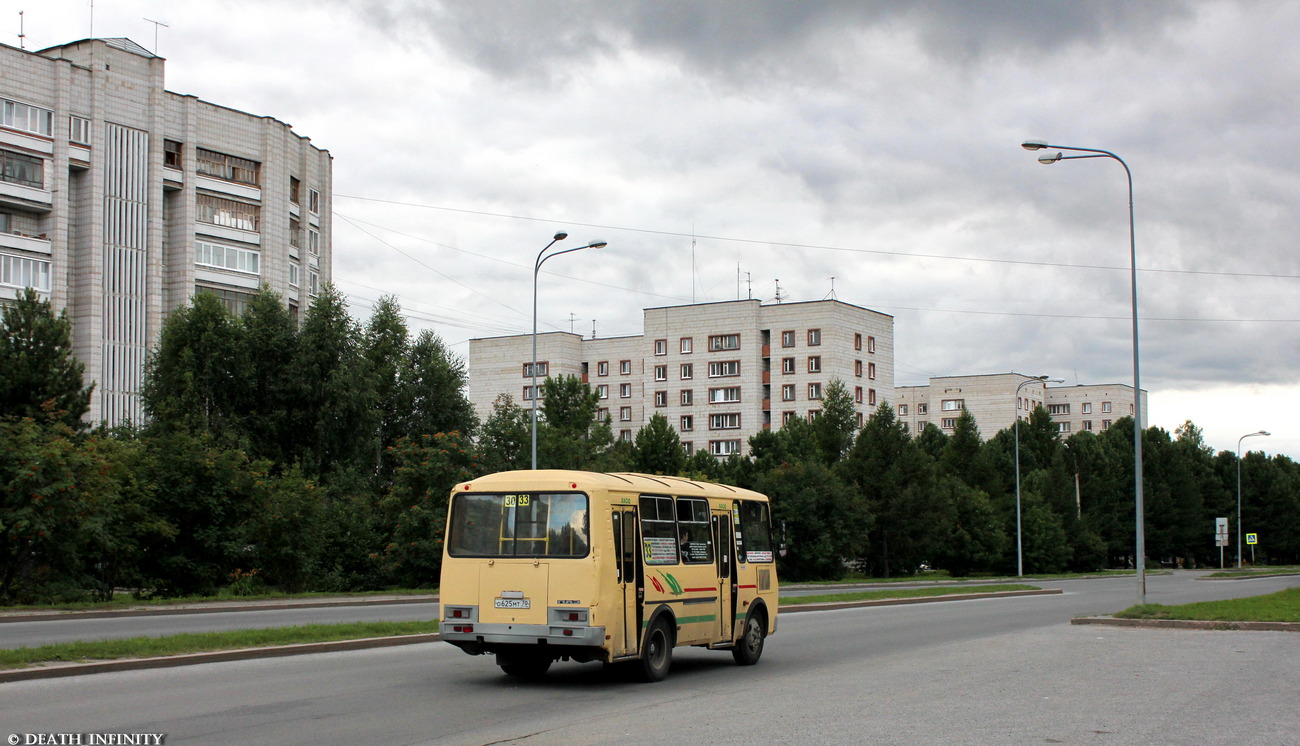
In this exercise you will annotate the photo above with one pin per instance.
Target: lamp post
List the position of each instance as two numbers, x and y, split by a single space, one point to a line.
1020 557
1048 159
1248 435
537 266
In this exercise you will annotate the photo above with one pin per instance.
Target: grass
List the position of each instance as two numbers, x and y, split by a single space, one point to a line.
902 593
199 642
942 576
1283 606
1248 572
123 600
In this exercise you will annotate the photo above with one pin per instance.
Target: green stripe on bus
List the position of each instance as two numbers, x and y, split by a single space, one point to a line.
689 620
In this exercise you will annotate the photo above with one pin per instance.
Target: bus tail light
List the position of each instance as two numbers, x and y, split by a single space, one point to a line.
459 613
466 628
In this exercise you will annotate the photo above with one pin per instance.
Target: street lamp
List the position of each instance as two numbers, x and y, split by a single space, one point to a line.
1020 557
1048 159
1248 435
537 266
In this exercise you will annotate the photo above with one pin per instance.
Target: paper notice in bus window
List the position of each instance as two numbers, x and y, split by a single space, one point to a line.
660 550
758 556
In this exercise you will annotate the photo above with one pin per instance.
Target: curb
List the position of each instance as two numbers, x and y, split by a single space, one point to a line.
218 607
1111 621
60 670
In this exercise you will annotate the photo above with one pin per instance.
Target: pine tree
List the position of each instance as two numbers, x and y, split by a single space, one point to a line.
39 377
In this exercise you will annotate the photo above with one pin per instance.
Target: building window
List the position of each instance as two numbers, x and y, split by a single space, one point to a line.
295 189
661 372
813 414
857 368
313 242
661 347
543 369
1105 424
1105 407
787 365
313 201
22 169
814 391
922 409
1062 427
313 282
624 414
857 341
625 391
814 337
726 421
226 257
227 213
602 368
688 447
295 233
687 423
528 393
687 397
686 345
1087 408
787 392
625 367
23 272
857 394
172 154
871 344
625 436
228 167
1058 408
953 405
602 391
28 118
724 447
687 372
787 418
902 410
1086 425
602 414
79 130
295 274
661 398
860 423
815 364
871 371
719 342
234 301
724 368
728 395
871 397
787 339
948 423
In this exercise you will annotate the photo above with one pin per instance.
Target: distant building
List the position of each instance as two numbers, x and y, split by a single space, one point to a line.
993 401
119 200
719 372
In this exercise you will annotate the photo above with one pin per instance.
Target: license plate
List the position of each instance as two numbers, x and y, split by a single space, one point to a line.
512 603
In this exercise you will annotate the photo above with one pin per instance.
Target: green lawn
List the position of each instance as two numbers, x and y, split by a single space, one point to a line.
1250 572
1283 606
902 593
149 647
124 600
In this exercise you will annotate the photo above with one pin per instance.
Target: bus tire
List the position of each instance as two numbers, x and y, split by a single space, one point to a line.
523 665
750 647
657 654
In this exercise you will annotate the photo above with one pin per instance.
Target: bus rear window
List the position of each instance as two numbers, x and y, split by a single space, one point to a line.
526 524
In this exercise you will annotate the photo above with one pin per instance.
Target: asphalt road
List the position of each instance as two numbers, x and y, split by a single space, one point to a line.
979 671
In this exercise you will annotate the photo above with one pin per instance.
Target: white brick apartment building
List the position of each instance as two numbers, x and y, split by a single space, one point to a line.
119 200
992 399
719 372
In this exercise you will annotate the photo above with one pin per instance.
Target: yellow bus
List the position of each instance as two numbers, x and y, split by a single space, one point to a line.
549 565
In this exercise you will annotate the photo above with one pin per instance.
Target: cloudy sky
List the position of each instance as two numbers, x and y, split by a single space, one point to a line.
869 149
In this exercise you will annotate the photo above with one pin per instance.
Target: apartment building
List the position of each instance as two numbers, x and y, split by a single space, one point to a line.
995 403
719 372
120 199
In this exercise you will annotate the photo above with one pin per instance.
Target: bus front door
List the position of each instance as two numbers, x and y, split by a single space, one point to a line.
626 637
726 556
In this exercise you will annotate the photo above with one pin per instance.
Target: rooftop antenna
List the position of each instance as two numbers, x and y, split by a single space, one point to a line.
92 19
156 24
749 281
832 293
778 290
593 328
22 35
572 319
692 264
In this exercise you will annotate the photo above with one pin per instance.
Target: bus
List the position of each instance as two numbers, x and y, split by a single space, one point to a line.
549 565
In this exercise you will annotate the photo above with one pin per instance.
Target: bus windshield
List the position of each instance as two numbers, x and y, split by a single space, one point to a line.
524 524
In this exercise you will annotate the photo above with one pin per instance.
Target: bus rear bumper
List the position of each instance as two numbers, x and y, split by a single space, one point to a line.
492 638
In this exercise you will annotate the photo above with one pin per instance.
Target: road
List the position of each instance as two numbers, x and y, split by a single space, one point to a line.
978 671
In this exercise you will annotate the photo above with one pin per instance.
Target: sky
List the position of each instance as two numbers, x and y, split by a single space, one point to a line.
867 151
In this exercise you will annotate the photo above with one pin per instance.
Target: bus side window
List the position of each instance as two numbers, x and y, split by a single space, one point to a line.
618 545
658 530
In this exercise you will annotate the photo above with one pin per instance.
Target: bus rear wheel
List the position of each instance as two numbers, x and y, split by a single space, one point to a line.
523 665
750 648
657 657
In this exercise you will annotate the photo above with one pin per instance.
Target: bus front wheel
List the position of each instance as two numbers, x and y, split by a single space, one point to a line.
523 665
750 648
657 656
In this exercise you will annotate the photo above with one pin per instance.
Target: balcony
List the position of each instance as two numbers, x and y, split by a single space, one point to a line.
38 244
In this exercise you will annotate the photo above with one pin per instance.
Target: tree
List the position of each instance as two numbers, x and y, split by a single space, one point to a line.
571 437
835 427
505 441
825 521
386 347
432 390
657 449
415 508
268 346
976 539
39 377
